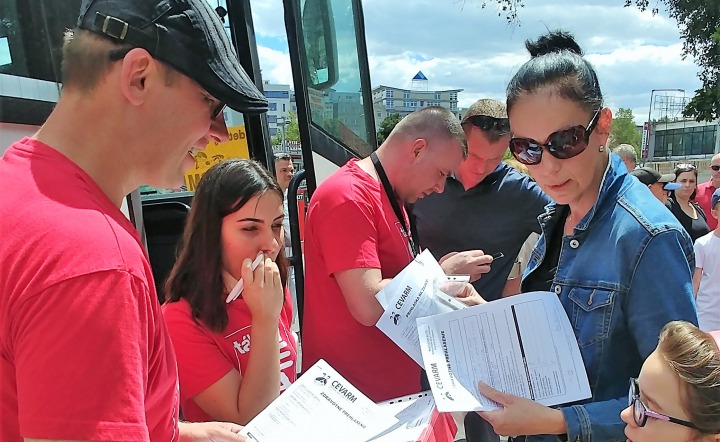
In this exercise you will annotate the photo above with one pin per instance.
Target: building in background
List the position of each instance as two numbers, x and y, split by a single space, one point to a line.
388 100
281 101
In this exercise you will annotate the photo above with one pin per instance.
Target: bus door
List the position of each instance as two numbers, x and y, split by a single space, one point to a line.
328 55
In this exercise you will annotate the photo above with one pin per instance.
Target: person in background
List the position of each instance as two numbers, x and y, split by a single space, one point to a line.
284 172
85 353
676 397
486 207
681 203
234 356
706 280
617 298
658 184
627 153
706 189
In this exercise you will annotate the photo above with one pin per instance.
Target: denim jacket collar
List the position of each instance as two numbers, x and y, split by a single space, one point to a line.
612 177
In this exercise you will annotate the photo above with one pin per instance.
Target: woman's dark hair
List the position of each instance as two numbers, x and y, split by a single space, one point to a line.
557 62
197 275
681 168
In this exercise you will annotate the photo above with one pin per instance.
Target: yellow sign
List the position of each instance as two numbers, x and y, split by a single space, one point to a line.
235 147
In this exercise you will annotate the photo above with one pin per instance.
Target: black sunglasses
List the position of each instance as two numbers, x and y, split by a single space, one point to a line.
641 412
563 144
715 168
490 124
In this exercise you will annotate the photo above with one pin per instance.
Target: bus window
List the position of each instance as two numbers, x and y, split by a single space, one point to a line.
335 90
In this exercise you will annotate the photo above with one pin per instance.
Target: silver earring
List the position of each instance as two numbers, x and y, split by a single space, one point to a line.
601 149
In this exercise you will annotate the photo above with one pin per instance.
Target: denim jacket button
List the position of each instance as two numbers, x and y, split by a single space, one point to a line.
574 244
558 289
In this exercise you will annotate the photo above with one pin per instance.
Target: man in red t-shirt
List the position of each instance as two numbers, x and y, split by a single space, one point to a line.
84 351
357 239
705 191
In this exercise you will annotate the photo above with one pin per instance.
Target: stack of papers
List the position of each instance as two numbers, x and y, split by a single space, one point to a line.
411 295
521 345
322 406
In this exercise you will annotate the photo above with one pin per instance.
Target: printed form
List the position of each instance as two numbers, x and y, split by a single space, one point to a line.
320 405
414 293
521 345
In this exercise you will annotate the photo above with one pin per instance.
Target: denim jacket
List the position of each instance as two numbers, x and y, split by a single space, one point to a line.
624 273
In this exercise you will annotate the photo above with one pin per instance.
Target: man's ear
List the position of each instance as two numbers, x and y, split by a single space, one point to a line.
137 66
418 146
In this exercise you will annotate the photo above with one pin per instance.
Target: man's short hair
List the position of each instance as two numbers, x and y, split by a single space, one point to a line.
432 122
280 156
626 151
490 116
487 107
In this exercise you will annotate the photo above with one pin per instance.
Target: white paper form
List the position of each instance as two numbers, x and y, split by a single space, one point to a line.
521 345
320 406
413 294
414 414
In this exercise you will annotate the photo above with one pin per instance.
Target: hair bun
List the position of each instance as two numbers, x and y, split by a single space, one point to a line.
554 41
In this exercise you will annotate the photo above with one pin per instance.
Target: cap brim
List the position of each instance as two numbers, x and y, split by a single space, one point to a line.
230 84
671 186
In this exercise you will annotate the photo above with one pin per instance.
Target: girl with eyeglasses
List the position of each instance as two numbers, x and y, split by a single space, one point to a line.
677 395
681 202
618 260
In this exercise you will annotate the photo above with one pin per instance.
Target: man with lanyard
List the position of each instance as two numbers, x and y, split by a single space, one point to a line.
486 205
358 238
705 190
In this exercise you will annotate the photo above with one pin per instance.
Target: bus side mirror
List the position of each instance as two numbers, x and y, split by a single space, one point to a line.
319 45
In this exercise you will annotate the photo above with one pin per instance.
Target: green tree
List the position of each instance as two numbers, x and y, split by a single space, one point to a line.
387 125
292 130
624 130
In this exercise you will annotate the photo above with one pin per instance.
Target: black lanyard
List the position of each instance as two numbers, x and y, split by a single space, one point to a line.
393 202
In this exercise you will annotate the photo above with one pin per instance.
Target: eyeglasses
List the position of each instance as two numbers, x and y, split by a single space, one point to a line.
490 124
715 167
685 167
641 411
563 144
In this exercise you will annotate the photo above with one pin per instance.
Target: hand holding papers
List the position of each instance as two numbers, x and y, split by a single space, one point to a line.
414 293
319 406
522 345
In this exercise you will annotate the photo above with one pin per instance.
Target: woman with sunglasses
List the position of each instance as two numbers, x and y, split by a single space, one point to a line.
618 260
681 204
676 398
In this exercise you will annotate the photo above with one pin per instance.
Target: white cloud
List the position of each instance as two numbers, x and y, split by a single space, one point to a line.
459 45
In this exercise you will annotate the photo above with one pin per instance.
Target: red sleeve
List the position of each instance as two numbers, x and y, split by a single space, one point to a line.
349 237
201 363
81 355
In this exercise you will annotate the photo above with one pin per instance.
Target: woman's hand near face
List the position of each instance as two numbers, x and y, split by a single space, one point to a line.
263 293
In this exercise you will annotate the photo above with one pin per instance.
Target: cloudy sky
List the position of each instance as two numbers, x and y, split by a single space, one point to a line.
459 44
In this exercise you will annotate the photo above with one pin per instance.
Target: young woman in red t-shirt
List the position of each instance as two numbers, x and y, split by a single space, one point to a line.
234 356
